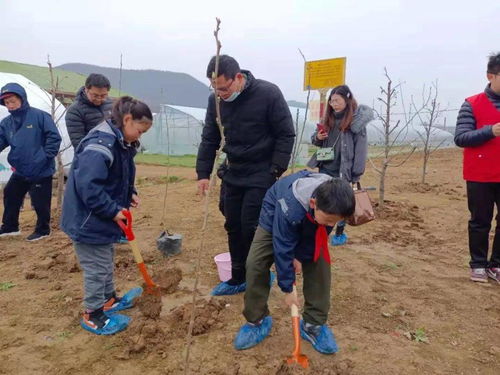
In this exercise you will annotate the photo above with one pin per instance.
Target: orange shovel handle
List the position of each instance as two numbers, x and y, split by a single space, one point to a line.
129 233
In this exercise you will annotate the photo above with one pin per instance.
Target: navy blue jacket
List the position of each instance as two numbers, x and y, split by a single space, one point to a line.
100 184
283 214
32 136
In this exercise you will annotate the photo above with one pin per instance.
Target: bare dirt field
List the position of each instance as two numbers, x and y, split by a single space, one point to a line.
401 299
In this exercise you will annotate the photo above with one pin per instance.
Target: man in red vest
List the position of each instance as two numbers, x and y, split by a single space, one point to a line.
478 132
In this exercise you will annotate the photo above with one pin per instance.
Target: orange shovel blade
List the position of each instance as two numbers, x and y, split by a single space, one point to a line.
297 356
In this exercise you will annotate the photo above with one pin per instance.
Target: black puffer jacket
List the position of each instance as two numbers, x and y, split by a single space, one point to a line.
466 132
82 116
259 133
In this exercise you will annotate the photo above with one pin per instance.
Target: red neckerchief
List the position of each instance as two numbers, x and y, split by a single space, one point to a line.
321 241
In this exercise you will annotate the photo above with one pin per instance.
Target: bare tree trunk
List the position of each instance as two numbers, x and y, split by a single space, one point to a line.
381 185
424 168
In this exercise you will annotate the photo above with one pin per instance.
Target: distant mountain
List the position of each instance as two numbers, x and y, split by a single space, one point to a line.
68 81
294 103
155 87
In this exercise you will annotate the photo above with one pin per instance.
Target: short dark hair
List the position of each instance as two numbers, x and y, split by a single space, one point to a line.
126 105
494 63
228 67
97 80
335 197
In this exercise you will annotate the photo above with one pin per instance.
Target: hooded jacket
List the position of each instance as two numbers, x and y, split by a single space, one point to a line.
259 133
353 145
32 136
100 184
82 116
283 214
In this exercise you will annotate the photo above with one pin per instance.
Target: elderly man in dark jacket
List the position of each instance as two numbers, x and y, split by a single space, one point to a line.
258 129
34 143
90 108
478 132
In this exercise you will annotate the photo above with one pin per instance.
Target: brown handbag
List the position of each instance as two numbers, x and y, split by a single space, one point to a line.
363 213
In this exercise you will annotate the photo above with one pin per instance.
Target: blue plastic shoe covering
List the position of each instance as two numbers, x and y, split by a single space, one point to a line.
323 340
224 289
114 324
126 302
122 240
250 335
339 240
272 276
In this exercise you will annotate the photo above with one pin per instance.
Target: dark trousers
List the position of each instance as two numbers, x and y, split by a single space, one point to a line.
481 198
13 197
241 209
316 286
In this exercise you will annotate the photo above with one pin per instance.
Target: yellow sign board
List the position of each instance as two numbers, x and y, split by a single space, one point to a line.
323 74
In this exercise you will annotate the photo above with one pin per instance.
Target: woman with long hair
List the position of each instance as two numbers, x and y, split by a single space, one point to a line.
343 142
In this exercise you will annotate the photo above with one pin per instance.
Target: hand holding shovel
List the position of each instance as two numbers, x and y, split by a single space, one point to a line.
151 287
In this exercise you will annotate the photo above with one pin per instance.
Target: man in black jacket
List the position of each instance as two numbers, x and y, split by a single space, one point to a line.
90 108
259 133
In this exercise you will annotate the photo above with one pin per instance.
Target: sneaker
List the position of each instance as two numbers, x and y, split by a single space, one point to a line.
4 233
99 323
338 240
116 303
251 334
225 289
494 273
479 275
320 336
36 236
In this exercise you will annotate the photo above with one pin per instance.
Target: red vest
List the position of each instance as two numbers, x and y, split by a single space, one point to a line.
482 163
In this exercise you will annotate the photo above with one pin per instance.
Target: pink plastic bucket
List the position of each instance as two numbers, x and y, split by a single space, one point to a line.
223 262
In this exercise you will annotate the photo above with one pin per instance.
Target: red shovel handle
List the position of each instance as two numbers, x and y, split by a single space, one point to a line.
127 226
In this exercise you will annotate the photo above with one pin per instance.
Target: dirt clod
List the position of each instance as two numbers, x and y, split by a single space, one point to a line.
149 305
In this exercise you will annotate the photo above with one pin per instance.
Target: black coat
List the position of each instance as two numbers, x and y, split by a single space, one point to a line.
259 133
82 116
466 132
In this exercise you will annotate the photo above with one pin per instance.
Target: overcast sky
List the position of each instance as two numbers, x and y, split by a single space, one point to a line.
418 41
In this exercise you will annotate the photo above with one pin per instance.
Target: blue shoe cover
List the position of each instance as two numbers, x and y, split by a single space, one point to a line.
127 301
324 342
116 323
224 289
272 276
122 240
338 240
250 335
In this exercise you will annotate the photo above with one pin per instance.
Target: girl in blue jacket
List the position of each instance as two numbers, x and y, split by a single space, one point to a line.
100 186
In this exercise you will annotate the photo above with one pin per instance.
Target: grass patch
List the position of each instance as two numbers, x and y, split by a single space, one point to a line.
389 266
64 335
6 286
188 161
144 181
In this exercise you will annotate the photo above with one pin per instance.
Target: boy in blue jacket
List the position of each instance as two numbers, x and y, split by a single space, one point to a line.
298 213
100 186
34 143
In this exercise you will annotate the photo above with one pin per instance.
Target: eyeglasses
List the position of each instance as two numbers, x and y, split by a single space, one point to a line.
223 88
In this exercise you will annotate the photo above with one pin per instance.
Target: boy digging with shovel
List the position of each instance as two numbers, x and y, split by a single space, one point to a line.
298 213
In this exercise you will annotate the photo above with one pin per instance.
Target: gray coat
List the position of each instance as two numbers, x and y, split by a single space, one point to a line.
353 146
